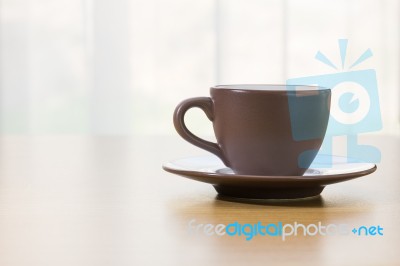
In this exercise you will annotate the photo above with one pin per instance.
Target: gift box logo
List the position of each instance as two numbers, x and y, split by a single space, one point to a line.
355 106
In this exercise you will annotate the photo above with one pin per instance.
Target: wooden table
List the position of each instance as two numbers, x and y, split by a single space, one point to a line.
69 200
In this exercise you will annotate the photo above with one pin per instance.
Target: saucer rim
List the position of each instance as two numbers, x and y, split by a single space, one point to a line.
221 178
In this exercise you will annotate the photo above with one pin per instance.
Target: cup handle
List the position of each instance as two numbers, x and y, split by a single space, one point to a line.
205 104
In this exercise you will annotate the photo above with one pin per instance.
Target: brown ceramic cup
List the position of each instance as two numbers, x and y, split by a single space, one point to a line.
262 129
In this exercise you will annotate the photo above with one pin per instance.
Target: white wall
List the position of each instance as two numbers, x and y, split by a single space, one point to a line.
120 67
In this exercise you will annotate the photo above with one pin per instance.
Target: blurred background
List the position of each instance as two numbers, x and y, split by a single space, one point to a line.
120 67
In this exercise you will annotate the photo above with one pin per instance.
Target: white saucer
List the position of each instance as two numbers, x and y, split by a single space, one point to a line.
210 169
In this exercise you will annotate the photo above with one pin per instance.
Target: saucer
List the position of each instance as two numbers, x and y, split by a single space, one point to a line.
210 169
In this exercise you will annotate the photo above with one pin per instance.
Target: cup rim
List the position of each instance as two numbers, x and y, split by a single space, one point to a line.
270 87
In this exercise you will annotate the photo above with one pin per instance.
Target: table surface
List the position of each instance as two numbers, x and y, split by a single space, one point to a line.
76 200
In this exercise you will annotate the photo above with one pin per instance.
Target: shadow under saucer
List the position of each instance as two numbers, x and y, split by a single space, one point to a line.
314 201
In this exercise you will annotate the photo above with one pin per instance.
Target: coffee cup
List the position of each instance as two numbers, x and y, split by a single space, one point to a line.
273 130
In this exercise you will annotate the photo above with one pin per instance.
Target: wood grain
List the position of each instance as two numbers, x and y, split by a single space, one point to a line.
106 201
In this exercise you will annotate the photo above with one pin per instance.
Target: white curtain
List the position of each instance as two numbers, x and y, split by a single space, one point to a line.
120 67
